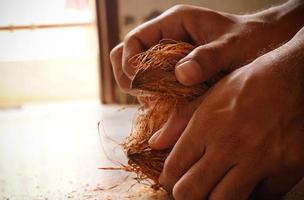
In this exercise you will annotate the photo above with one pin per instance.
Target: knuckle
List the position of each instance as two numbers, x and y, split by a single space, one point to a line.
133 35
207 55
188 190
179 8
214 51
130 36
205 52
231 39
180 191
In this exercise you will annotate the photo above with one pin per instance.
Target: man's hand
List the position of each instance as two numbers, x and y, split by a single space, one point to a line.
248 130
224 41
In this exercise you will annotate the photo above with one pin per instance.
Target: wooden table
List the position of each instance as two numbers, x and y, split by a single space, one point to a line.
53 151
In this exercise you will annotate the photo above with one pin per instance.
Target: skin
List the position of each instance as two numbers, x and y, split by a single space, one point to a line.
251 138
253 134
219 36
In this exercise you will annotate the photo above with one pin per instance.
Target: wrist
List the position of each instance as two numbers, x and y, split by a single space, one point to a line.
287 19
283 21
285 65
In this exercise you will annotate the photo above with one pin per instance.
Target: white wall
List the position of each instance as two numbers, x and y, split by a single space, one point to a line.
48 80
139 9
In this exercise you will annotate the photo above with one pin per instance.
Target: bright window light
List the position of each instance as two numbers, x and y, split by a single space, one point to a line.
49 51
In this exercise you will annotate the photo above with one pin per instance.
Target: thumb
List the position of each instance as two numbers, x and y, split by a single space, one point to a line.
168 135
203 62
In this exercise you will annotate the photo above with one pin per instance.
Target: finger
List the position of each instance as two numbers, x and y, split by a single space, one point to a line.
238 184
198 181
167 136
204 62
167 25
189 148
116 59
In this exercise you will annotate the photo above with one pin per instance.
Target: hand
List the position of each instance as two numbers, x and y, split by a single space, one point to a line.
224 41
247 134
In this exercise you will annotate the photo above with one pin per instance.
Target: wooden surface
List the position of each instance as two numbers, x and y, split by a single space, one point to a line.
54 151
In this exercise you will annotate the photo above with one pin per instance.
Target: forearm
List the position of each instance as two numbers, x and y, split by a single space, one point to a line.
295 50
285 20
293 53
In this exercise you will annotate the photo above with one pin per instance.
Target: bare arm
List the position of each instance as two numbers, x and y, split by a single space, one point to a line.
247 134
224 41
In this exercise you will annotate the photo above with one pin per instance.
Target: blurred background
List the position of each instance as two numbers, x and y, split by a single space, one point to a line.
54 74
50 50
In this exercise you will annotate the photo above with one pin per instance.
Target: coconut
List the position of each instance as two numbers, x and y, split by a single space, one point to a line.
155 81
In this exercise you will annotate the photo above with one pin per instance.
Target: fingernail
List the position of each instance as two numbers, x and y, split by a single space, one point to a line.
188 72
154 137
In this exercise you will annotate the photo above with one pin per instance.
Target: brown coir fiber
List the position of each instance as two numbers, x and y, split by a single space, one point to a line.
155 79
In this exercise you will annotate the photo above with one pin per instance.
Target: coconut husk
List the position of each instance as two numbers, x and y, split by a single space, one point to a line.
155 78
